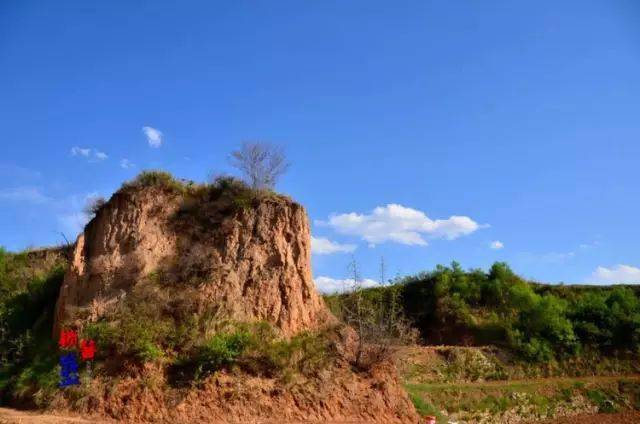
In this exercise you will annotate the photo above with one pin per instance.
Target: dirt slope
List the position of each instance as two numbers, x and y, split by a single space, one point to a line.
253 262
13 416
249 259
480 385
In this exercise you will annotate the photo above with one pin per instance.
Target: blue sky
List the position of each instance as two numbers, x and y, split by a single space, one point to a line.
518 119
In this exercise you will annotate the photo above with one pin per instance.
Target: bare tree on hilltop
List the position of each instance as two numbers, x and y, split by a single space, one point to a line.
262 164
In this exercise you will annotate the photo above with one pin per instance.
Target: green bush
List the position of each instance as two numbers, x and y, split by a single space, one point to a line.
423 407
256 349
602 401
221 350
221 187
156 325
156 178
539 322
137 330
28 360
39 378
27 311
306 353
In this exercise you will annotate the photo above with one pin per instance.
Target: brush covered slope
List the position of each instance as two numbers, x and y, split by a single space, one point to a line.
540 323
202 304
501 349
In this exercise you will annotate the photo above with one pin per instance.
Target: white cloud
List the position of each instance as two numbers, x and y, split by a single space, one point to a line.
592 245
616 274
400 224
71 216
68 210
332 285
324 246
24 194
88 153
557 257
79 151
154 136
496 245
126 164
548 258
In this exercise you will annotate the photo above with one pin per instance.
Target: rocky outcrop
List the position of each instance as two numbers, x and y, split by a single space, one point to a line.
250 261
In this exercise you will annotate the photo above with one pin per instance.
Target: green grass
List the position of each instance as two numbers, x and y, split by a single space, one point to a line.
28 355
257 350
604 400
39 378
225 189
424 408
542 397
156 178
219 351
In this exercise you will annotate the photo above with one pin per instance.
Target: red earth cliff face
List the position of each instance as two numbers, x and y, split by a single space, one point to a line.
253 264
250 261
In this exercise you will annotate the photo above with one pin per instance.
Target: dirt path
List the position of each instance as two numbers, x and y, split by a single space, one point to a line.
621 418
528 382
12 416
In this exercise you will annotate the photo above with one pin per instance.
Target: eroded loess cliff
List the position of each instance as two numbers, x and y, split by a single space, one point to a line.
162 254
251 261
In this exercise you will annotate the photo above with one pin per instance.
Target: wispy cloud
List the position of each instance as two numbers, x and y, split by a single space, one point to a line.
126 164
587 246
616 274
71 214
16 172
89 153
154 136
496 245
23 194
68 210
548 257
332 285
80 151
72 223
324 246
400 224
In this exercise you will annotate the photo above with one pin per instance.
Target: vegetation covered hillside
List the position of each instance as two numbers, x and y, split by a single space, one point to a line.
170 340
29 285
201 304
537 322
506 350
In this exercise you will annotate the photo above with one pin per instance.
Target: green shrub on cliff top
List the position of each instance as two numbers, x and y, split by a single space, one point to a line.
158 179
